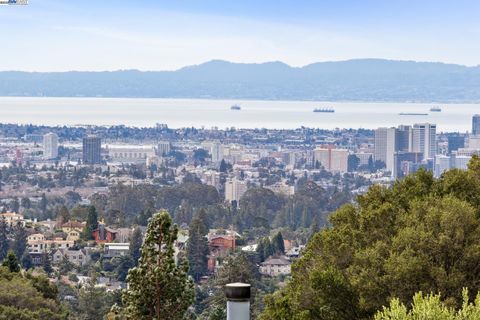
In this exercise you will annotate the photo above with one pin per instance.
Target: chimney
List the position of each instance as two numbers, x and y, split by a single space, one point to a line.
238 301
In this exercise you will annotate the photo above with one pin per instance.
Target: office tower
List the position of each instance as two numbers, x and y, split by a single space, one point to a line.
424 139
476 125
234 189
216 151
50 146
385 146
92 150
332 159
164 148
455 142
403 138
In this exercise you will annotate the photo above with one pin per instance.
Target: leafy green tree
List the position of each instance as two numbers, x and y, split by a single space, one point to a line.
11 262
21 299
430 307
157 286
419 235
136 244
92 223
197 246
93 302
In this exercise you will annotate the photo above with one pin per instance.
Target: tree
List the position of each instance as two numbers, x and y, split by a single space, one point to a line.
4 243
419 235
19 244
92 223
22 299
197 246
11 262
430 307
93 302
158 286
62 215
136 244
15 205
43 204
26 203
47 264
277 243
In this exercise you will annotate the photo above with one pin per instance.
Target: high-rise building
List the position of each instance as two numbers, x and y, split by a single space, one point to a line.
424 139
403 138
332 159
476 125
455 142
164 148
216 150
234 189
385 146
92 150
50 146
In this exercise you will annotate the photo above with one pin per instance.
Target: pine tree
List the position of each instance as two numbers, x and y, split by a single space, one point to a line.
26 260
11 262
197 247
158 287
136 244
277 243
3 239
92 223
19 244
47 265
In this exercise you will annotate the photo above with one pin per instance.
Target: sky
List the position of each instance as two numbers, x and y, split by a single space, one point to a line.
85 35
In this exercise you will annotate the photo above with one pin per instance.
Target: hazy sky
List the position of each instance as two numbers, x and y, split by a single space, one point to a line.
60 35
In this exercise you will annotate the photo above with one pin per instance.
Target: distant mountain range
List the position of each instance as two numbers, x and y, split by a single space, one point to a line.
352 80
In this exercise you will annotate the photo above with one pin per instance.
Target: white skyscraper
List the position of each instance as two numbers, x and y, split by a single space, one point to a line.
385 146
424 139
50 146
234 189
216 150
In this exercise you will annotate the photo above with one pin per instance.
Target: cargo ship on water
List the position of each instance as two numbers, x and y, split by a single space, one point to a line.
435 109
324 110
235 107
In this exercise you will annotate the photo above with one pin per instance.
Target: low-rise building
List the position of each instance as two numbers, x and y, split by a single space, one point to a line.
276 266
76 257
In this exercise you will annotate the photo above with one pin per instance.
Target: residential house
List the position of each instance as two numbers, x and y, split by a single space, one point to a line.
104 234
276 266
12 218
43 245
77 257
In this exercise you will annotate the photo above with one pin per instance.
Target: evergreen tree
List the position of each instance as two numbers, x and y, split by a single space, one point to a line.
11 262
136 244
43 204
19 244
268 249
26 260
261 250
197 247
47 265
158 288
15 205
92 223
278 244
3 239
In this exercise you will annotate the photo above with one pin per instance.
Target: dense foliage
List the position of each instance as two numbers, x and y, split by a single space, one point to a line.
420 235
25 297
